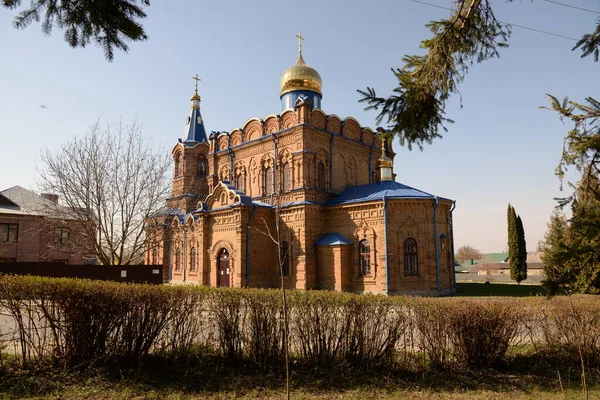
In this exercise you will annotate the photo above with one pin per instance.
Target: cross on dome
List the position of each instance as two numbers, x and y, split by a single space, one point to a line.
197 80
300 39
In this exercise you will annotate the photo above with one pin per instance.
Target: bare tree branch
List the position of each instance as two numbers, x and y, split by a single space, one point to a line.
113 177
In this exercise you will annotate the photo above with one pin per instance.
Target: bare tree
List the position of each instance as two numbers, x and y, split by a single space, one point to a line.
283 257
467 252
110 180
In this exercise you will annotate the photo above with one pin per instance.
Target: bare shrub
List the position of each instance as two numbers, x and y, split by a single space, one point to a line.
481 330
264 332
226 310
320 324
431 318
562 326
375 328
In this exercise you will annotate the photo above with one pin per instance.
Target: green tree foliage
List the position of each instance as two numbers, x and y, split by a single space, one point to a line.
522 255
581 147
555 255
570 258
108 23
517 251
415 111
513 242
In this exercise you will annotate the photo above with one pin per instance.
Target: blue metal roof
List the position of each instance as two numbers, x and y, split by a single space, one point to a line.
332 239
377 191
194 131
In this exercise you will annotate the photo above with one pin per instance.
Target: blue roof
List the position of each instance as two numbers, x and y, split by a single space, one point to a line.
377 191
332 239
194 131
169 211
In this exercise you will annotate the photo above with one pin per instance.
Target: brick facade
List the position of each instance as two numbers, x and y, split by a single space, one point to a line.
224 198
39 237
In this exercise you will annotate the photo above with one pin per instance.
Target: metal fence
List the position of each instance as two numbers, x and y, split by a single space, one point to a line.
152 274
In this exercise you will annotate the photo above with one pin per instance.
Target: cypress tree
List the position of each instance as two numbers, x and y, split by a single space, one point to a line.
522 255
513 243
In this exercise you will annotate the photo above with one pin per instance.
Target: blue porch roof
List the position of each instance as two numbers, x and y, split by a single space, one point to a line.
332 239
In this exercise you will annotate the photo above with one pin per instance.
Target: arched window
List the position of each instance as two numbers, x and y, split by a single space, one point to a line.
202 166
285 258
178 166
268 181
177 259
223 254
411 259
287 177
364 254
193 259
155 256
240 182
321 176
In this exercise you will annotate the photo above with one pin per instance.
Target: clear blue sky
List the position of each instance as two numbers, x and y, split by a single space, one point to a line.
501 149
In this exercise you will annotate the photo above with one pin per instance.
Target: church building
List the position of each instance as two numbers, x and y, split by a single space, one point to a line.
303 194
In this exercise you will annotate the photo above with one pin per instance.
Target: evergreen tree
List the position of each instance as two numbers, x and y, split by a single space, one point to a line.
584 234
108 23
570 259
521 274
513 244
555 255
415 111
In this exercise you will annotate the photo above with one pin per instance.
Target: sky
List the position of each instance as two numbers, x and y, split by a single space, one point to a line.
501 149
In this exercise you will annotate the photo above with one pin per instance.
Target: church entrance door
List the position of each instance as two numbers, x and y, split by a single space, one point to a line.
224 269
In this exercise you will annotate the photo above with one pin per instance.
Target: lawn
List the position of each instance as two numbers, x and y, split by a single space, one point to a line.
498 289
101 389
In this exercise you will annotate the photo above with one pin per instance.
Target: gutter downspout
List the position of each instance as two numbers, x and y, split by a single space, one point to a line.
252 214
275 183
452 243
331 164
184 266
230 164
371 165
387 269
171 259
437 250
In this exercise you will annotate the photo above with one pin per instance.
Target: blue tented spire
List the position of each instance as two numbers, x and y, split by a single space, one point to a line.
194 131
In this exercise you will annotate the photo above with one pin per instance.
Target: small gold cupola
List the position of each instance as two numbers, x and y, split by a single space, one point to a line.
386 164
195 99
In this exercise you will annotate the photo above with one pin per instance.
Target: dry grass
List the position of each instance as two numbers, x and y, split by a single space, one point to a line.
104 392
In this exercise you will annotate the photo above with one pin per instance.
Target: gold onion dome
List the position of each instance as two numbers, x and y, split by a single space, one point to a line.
300 76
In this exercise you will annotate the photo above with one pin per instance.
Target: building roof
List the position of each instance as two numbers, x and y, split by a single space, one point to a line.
194 131
377 191
332 239
499 266
18 200
487 258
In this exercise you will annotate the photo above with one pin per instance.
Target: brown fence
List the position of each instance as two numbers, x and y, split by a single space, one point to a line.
152 274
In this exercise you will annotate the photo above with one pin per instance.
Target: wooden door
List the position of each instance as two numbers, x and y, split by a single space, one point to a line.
223 268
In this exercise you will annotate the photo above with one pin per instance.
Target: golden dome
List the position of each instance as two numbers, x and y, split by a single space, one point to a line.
300 76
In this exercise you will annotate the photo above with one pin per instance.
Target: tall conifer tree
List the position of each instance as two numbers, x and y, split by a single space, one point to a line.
522 257
513 242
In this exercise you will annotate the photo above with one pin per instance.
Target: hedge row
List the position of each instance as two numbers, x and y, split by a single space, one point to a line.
77 322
